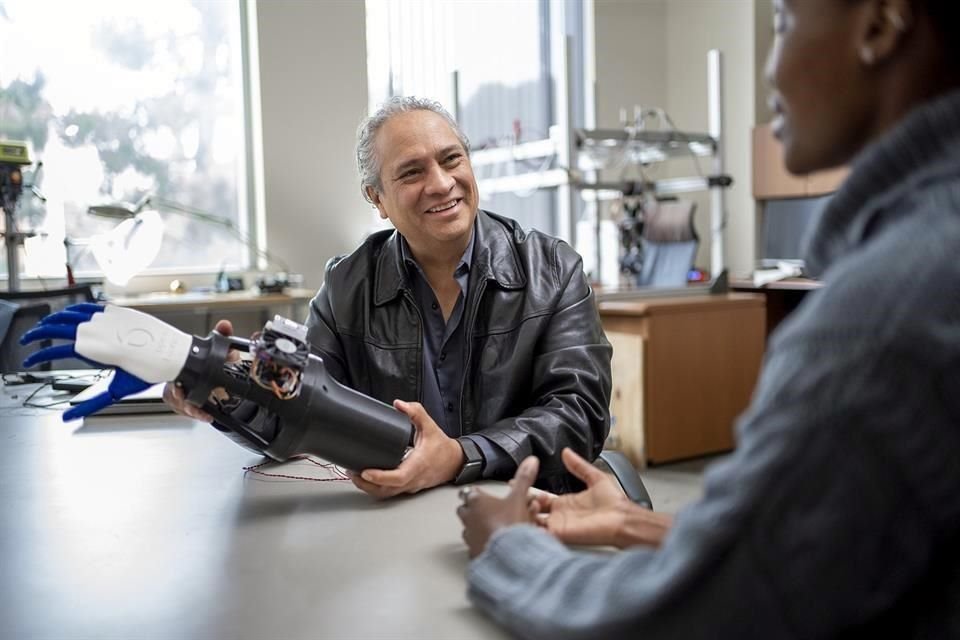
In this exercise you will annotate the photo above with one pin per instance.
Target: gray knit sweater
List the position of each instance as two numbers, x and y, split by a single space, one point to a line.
839 513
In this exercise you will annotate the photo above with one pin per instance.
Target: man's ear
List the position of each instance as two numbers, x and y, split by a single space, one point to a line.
376 202
886 24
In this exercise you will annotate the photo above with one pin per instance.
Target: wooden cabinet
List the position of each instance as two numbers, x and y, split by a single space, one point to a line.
683 369
771 178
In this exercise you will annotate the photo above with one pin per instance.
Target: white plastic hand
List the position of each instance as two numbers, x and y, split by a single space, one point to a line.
149 348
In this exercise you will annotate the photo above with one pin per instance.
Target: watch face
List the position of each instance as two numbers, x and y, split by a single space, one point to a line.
473 468
470 472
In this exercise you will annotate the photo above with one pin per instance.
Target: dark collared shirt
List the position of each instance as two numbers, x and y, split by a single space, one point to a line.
444 354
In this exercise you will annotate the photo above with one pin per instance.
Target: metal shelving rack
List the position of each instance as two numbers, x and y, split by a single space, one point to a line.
579 154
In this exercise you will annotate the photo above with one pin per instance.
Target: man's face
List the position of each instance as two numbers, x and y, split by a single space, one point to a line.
429 192
820 95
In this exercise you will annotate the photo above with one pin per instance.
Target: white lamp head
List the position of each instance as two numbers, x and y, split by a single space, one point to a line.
119 210
128 248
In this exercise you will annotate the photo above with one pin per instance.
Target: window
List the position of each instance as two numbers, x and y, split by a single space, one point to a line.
122 100
504 96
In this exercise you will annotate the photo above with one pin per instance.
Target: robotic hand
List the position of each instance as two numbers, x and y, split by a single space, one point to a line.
316 414
144 350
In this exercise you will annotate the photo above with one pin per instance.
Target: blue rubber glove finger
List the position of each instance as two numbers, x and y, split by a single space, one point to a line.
85 307
66 317
52 353
92 405
122 385
48 331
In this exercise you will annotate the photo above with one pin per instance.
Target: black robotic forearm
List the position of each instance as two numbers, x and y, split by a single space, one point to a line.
317 415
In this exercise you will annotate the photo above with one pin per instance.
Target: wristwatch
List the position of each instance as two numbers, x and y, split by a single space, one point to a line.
472 469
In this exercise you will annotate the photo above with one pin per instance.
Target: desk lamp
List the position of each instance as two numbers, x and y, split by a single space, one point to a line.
128 248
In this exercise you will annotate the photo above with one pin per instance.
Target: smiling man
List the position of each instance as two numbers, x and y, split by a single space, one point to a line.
487 336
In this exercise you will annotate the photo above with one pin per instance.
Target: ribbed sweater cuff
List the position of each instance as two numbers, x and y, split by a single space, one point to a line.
499 577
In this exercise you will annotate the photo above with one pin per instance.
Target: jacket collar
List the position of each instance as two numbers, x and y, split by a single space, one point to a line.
494 258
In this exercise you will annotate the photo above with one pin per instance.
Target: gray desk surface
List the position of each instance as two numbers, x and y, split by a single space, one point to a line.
148 527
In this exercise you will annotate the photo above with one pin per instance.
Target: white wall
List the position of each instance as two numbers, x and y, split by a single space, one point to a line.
763 40
693 28
631 53
671 39
313 84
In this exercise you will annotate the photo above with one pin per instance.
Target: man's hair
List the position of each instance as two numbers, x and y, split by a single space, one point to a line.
367 161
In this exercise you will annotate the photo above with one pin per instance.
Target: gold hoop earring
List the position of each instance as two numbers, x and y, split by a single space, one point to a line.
867 56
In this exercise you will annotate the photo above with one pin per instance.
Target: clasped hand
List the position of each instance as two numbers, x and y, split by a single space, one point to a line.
599 515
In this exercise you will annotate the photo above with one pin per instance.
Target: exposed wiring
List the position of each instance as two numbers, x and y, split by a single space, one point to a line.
338 474
48 379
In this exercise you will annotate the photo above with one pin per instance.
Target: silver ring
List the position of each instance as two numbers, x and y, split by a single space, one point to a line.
465 494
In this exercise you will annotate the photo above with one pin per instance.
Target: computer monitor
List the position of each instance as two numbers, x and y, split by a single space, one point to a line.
784 226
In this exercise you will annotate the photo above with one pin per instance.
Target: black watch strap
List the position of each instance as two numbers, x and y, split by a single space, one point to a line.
472 469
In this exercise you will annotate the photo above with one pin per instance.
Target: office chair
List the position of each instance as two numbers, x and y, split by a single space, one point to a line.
626 475
20 310
15 320
669 243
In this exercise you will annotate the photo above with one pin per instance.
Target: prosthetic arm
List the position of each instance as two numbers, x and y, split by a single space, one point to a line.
274 370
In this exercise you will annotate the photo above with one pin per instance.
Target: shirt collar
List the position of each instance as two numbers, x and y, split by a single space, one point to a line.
463 266
494 257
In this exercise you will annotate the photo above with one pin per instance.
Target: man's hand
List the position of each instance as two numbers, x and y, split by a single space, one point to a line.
482 514
435 459
599 515
174 396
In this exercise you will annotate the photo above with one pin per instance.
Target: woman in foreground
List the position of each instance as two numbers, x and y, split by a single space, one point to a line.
839 513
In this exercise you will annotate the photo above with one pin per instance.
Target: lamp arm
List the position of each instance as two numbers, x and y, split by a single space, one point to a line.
218 220
196 213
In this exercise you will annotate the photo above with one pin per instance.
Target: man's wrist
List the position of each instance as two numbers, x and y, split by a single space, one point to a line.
457 459
471 468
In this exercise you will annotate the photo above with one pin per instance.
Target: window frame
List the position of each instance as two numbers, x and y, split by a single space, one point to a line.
251 219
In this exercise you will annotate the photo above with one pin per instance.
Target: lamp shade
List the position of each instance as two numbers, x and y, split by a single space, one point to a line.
128 248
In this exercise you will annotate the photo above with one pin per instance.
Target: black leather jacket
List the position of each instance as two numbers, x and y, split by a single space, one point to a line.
537 375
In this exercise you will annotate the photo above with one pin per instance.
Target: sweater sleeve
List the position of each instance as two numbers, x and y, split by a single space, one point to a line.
823 518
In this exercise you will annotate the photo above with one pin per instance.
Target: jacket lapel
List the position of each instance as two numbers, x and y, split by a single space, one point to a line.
391 279
494 253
